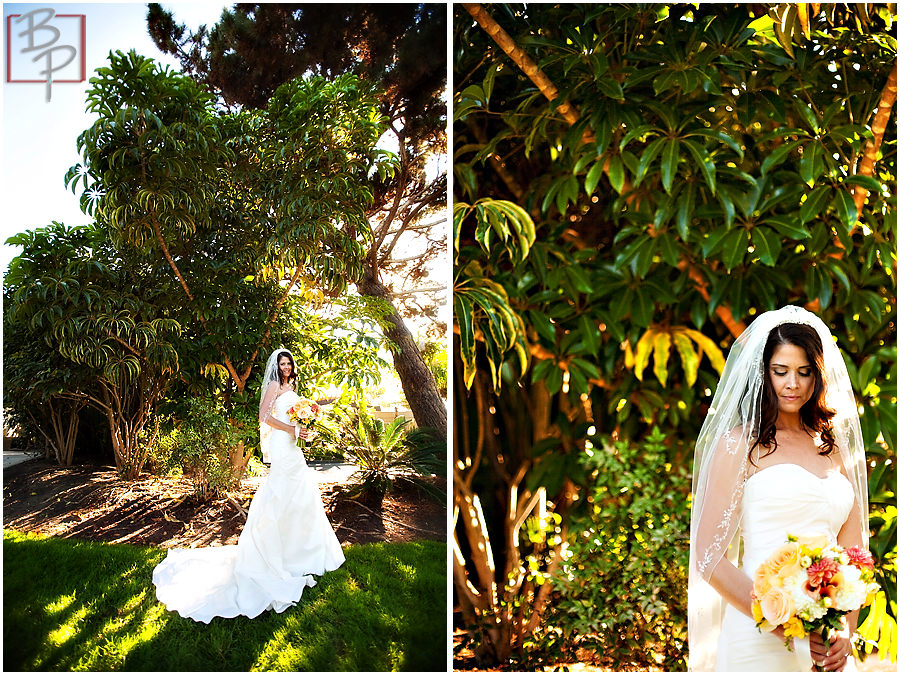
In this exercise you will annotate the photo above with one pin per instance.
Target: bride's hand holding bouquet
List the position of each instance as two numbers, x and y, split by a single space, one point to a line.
808 585
303 414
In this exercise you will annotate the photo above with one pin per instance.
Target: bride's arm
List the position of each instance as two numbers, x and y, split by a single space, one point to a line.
265 411
736 588
721 508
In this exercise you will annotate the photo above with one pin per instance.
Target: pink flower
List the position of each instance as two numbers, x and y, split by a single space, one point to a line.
860 557
819 574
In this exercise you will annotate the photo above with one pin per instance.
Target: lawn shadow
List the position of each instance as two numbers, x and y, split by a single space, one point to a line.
94 607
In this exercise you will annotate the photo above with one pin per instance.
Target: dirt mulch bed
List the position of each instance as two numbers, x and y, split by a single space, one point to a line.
92 502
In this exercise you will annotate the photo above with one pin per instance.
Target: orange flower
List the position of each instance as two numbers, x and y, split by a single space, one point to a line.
785 562
820 574
831 586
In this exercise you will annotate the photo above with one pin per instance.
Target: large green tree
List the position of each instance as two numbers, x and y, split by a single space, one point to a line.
633 184
235 203
255 47
92 327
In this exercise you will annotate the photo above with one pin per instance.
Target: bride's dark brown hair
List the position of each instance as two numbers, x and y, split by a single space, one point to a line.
815 414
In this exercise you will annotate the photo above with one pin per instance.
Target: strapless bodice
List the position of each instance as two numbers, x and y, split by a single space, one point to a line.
282 403
785 499
287 459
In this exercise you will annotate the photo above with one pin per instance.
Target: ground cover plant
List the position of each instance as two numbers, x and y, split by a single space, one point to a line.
77 605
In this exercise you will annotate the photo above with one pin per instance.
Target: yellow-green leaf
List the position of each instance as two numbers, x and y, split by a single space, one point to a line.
662 344
690 359
642 354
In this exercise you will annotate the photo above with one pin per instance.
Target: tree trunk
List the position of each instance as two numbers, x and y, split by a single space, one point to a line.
239 457
418 383
64 422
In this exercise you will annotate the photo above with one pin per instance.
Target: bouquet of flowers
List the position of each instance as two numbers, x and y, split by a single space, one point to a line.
305 412
808 584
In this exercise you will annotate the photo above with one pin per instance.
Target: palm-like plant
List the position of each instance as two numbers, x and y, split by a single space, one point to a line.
385 456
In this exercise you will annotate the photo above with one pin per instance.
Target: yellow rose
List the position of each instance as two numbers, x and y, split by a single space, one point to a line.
777 606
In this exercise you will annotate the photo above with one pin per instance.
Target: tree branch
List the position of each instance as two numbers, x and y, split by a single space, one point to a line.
271 322
416 291
724 313
527 66
879 125
498 165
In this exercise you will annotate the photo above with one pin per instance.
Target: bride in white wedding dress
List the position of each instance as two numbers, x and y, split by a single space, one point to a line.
780 453
287 538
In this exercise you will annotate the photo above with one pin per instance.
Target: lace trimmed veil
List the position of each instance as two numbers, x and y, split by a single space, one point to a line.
267 399
721 465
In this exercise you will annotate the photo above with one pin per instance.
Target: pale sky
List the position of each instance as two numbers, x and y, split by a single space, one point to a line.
39 137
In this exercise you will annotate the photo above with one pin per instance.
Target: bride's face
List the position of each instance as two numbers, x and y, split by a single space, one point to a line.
792 377
284 365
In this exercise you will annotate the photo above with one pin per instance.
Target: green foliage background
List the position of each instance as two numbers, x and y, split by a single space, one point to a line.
186 196
695 169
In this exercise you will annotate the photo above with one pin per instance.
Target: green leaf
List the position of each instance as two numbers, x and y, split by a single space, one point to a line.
642 309
814 204
767 244
734 247
650 153
714 240
616 173
669 249
867 182
590 333
610 87
788 227
807 114
578 278
685 212
808 163
669 164
778 155
704 163
593 177
719 136
543 326
846 208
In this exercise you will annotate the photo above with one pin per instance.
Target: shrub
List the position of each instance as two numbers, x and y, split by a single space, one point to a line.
206 445
623 579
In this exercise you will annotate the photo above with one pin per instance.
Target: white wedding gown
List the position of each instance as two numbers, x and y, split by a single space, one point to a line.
779 500
286 540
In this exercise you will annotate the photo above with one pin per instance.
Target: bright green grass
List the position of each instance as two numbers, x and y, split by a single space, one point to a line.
75 605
